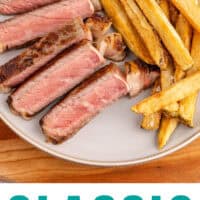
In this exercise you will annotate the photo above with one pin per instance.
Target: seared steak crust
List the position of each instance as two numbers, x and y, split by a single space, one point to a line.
32 59
29 26
56 79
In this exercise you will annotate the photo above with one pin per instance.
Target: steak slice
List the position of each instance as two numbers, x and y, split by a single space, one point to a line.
84 103
99 24
11 7
32 59
112 46
60 76
27 27
140 76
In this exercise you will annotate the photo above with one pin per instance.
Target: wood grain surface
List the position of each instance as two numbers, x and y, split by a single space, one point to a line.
21 162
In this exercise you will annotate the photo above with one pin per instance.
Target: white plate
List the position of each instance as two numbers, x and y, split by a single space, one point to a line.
113 138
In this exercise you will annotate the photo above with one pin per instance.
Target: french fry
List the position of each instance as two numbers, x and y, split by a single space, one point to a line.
167 76
149 36
152 122
122 23
166 31
173 13
171 110
175 93
185 31
167 79
191 10
179 74
188 105
195 52
168 126
164 4
187 109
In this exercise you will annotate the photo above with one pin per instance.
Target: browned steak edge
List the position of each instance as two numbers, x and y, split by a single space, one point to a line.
15 66
27 116
111 68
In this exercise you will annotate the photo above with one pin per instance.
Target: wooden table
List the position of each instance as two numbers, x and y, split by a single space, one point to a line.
21 162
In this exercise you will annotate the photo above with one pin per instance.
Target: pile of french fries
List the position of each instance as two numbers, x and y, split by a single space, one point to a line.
165 33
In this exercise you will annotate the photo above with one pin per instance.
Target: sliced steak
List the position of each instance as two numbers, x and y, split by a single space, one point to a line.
84 103
112 47
99 24
11 7
21 29
58 78
140 76
32 59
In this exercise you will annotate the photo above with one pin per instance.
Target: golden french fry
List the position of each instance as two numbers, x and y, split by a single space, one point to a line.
184 29
174 93
187 109
191 10
173 13
195 52
188 105
168 125
171 110
122 23
167 79
168 74
167 128
152 122
149 36
164 4
179 74
166 31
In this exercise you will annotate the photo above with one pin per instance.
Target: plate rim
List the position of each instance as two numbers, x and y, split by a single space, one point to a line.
65 157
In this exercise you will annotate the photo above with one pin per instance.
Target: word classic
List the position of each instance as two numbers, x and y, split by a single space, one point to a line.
102 197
